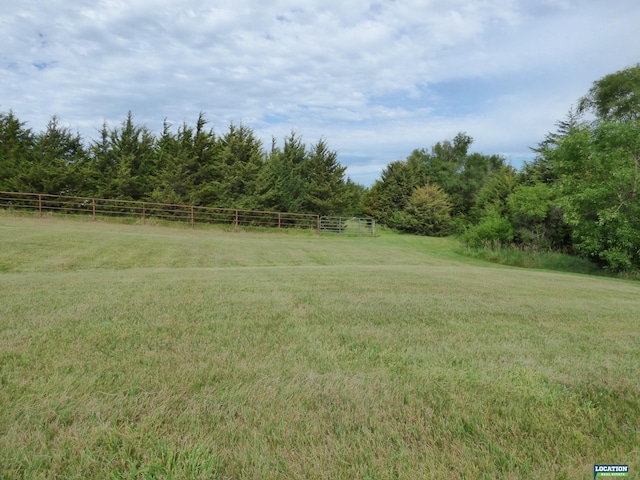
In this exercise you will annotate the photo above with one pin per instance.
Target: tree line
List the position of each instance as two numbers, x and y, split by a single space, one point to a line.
191 165
579 195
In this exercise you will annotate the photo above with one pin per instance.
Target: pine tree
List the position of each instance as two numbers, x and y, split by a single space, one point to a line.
236 174
281 185
124 160
57 164
186 160
325 188
16 144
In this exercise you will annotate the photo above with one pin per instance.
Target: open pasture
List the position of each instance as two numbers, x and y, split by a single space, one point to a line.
131 351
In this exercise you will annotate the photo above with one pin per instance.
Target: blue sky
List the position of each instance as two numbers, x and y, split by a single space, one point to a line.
376 79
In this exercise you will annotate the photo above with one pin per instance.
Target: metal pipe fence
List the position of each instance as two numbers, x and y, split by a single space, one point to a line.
348 225
191 214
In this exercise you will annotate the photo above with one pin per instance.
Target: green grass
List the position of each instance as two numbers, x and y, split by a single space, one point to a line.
130 351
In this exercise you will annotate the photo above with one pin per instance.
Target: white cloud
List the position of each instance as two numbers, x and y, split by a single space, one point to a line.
376 79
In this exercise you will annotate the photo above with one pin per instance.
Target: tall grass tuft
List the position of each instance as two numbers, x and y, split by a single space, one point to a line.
532 258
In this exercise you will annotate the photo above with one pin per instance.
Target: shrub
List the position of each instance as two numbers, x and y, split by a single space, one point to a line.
491 231
430 211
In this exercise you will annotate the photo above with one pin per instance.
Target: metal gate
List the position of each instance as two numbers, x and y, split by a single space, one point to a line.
355 226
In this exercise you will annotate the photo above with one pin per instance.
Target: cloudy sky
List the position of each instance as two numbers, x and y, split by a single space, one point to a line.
376 78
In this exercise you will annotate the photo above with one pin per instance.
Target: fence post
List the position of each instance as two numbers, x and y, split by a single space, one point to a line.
279 215
193 217
93 208
318 216
40 204
144 213
236 219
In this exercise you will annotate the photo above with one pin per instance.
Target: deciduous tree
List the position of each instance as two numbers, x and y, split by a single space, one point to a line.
615 97
599 184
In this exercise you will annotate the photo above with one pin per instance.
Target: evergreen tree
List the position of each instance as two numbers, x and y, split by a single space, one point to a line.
325 185
495 191
191 166
186 162
391 194
16 144
282 183
429 211
354 197
235 172
57 164
170 178
476 171
124 160
539 170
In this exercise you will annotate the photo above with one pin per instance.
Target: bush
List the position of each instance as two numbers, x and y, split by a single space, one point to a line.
430 211
493 230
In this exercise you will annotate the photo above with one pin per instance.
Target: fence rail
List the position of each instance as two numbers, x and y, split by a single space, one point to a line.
191 214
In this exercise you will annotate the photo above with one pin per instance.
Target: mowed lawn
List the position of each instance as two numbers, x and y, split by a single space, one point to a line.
141 351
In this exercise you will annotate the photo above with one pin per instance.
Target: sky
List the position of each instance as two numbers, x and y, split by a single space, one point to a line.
375 79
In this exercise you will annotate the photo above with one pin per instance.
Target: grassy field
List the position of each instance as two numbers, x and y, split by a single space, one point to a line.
133 352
